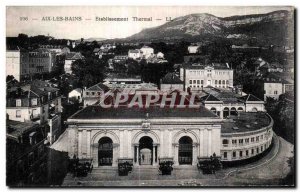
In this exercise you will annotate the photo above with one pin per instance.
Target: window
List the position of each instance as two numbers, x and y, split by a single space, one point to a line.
201 81
252 151
98 93
198 81
261 148
241 153
225 142
234 141
18 113
241 141
216 82
93 93
262 137
234 154
257 139
18 103
225 155
191 81
252 139
247 152
257 150
34 102
247 140
194 81
275 92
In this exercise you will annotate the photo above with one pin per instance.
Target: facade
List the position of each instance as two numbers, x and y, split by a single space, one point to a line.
147 51
197 76
273 85
135 54
38 103
75 94
149 135
70 58
226 103
41 60
92 94
17 63
26 153
193 49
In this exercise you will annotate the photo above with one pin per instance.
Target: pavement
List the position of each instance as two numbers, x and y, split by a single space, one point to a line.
268 171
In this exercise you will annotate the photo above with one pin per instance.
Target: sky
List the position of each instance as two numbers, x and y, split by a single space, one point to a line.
88 27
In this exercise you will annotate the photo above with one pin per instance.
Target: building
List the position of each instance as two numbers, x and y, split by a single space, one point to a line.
36 102
92 94
135 54
75 95
120 78
53 48
192 49
17 63
171 82
70 58
274 84
226 103
196 76
147 51
41 60
147 136
120 59
26 154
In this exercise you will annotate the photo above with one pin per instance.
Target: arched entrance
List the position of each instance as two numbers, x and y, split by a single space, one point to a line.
105 151
185 151
146 154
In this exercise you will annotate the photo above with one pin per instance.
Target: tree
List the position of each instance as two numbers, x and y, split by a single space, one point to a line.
89 71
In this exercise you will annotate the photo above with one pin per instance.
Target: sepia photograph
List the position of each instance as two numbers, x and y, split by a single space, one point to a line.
150 96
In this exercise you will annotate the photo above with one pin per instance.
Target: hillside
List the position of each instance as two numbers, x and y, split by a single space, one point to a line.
276 27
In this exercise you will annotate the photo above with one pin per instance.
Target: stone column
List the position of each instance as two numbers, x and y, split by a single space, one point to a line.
121 143
154 154
137 155
195 154
79 143
88 143
209 142
176 162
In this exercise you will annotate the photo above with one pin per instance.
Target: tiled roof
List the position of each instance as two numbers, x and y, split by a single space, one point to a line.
73 56
171 78
97 112
98 87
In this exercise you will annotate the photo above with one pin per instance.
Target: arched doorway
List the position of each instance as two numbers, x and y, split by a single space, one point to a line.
185 153
254 109
146 154
105 151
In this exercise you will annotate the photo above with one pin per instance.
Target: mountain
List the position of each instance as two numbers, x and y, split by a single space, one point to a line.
273 26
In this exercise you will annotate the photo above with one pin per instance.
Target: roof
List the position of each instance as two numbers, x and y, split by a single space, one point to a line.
98 87
224 66
171 78
74 56
246 121
16 128
146 47
78 90
134 51
249 97
97 112
209 97
278 78
96 50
